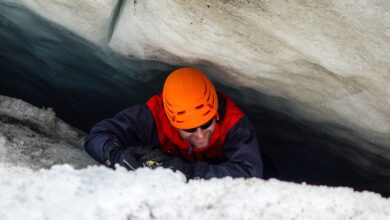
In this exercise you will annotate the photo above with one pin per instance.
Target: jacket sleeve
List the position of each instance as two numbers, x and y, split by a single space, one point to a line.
130 127
242 154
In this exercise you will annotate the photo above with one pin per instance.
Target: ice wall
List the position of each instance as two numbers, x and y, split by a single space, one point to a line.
311 75
330 57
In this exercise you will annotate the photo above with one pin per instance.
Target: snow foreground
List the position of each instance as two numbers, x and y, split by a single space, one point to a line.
97 192
33 142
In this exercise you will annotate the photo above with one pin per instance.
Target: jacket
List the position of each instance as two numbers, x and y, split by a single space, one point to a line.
233 149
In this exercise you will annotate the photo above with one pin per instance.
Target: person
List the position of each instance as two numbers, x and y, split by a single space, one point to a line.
189 127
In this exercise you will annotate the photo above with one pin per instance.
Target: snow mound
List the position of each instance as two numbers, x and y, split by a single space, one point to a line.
40 118
101 193
35 138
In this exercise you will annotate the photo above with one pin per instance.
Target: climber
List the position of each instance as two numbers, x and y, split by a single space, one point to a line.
189 127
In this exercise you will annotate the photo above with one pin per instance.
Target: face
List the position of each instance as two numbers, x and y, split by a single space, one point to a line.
199 137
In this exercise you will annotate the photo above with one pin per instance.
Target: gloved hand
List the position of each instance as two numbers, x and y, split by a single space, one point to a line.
154 159
127 159
142 150
177 164
122 156
157 158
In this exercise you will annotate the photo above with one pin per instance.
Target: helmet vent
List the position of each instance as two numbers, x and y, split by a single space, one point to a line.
207 112
205 88
170 110
180 113
208 98
179 121
168 103
199 106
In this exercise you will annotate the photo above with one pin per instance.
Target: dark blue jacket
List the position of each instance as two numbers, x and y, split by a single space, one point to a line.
136 126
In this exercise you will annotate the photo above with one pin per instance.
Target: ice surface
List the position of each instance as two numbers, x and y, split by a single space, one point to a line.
101 193
90 18
31 137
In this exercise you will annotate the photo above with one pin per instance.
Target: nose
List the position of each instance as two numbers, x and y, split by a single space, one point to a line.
199 133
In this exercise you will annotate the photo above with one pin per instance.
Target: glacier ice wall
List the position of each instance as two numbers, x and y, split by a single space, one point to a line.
312 76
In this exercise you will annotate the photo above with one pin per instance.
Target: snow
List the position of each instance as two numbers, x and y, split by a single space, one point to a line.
44 119
101 193
34 138
33 184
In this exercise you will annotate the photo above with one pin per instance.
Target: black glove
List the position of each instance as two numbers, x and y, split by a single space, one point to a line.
154 159
126 158
157 158
142 150
177 164
122 156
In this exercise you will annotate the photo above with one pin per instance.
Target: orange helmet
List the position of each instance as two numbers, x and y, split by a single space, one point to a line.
189 98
